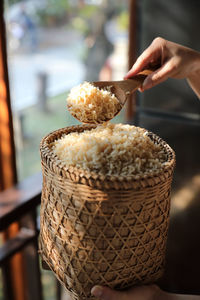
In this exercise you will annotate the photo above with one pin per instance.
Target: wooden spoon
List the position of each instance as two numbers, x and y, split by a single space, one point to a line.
122 89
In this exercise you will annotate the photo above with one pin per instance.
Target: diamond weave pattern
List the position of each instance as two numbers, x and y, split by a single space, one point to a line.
114 238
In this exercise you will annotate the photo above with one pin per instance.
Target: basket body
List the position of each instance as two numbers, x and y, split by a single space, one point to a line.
98 231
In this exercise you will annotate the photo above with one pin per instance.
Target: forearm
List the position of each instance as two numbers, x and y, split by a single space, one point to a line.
194 78
194 82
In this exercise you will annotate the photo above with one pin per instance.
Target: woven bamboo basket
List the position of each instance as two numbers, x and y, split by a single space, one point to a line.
103 230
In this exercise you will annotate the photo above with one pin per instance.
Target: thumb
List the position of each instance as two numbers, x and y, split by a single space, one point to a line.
105 293
148 57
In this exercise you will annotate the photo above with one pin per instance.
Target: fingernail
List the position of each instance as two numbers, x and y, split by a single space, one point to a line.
145 84
97 291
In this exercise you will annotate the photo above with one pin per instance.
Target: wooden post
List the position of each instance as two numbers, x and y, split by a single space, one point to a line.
13 273
132 51
42 91
8 174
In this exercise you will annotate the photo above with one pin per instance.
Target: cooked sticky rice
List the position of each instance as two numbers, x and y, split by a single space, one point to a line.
111 149
90 104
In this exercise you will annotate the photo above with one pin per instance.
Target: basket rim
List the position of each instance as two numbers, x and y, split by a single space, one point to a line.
54 164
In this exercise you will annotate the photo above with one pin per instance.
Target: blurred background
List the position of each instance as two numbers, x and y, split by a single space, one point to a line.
53 45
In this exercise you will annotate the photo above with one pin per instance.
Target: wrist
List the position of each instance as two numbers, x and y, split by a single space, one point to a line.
195 66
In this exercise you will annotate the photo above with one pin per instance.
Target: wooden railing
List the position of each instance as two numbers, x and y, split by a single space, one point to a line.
20 204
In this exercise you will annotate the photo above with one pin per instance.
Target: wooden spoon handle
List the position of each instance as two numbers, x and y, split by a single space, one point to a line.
146 72
133 83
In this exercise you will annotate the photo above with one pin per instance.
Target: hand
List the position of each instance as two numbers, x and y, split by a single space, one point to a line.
145 292
175 61
148 292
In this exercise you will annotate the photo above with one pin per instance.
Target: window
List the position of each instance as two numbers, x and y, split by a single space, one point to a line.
53 46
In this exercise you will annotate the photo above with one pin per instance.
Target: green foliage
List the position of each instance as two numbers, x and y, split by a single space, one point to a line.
123 20
57 7
87 11
10 2
54 12
57 11
83 17
80 25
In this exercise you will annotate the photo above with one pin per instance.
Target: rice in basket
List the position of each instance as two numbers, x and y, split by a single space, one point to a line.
111 149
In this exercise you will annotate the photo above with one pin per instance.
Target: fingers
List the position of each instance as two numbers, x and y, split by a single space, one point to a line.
152 54
147 292
105 293
143 60
160 75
